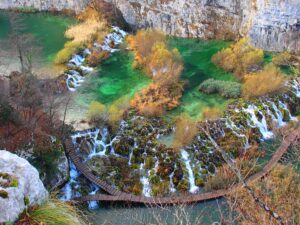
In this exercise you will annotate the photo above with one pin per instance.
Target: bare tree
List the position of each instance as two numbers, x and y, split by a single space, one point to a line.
23 44
231 163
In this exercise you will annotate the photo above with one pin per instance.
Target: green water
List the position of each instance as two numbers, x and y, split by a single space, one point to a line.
116 78
198 67
48 31
201 213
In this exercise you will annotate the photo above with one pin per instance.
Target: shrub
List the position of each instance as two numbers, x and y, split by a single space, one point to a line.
66 53
142 44
155 99
240 58
7 113
267 81
283 59
226 89
225 177
211 113
55 212
280 190
164 65
92 27
186 130
98 113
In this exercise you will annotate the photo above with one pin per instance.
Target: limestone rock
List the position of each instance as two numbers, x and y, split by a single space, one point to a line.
27 188
273 25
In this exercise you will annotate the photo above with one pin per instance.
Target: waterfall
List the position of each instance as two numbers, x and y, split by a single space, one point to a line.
76 63
172 186
186 160
145 181
237 131
93 204
296 86
255 122
73 183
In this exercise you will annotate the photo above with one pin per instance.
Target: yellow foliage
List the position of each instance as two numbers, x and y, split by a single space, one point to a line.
91 28
65 54
155 99
142 44
111 115
186 130
212 113
85 31
164 65
267 81
97 112
283 59
240 58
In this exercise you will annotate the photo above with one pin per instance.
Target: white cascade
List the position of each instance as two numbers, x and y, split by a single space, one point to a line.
186 160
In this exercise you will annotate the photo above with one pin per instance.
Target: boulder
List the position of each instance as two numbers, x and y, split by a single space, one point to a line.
21 185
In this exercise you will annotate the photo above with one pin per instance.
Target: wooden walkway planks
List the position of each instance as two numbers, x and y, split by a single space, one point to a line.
118 196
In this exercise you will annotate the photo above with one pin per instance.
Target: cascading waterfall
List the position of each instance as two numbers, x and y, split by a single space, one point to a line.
76 63
93 204
185 157
71 185
100 144
296 86
261 124
145 181
237 131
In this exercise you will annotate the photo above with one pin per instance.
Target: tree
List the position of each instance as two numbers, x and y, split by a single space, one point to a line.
23 44
165 66
267 81
185 132
240 58
142 44
283 59
211 113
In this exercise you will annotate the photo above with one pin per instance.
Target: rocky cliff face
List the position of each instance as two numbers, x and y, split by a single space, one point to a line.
20 186
271 24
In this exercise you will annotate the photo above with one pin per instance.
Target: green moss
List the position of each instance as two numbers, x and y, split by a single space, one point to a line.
200 182
14 183
26 200
3 194
183 185
286 115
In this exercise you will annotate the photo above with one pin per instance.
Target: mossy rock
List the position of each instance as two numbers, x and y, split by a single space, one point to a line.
161 188
183 186
3 194
149 162
211 168
286 115
26 201
200 182
154 179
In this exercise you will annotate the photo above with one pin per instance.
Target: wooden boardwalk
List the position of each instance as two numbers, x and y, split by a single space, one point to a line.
118 196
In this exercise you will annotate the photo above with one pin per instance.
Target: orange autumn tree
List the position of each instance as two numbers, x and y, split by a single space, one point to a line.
142 44
164 66
267 81
186 130
240 58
